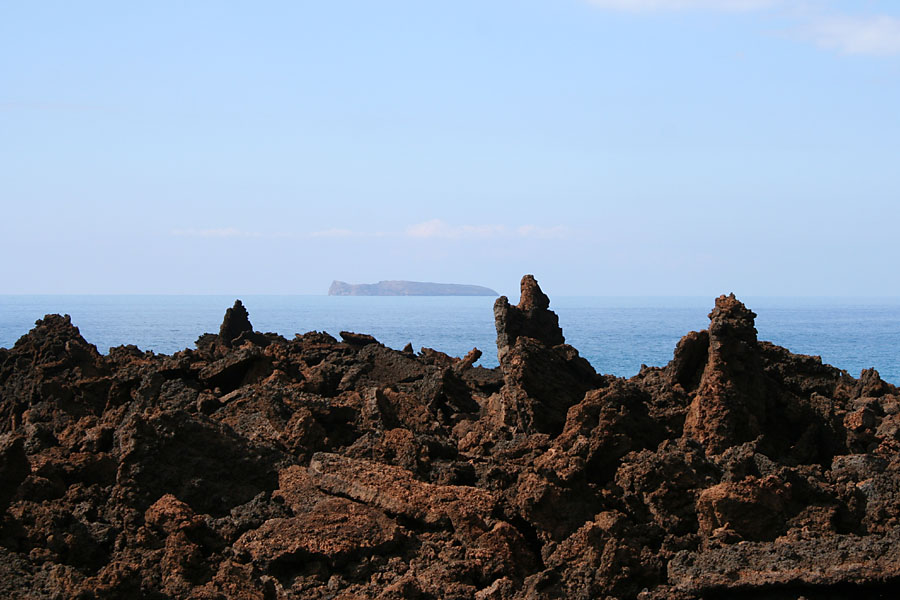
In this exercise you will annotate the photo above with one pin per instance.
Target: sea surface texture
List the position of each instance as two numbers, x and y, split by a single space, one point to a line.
615 334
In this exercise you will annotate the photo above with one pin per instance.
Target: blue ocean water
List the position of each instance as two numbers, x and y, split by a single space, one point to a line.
615 334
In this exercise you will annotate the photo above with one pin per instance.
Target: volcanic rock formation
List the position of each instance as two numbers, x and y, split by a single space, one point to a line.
543 376
236 322
265 468
730 405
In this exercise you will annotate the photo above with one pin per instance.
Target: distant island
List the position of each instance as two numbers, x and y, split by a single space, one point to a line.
407 288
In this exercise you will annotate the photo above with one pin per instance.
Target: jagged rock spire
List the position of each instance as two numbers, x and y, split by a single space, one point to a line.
542 375
236 322
531 297
729 406
532 318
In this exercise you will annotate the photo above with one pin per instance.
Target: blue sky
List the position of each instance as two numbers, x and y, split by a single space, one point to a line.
610 147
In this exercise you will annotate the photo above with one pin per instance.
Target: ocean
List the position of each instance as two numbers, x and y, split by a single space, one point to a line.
615 334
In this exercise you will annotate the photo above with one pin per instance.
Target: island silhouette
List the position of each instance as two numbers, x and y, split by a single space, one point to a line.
407 288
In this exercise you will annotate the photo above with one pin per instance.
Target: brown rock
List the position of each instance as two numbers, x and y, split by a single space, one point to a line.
605 426
662 485
542 375
335 529
532 318
604 558
357 339
729 406
691 356
244 365
871 562
397 492
169 514
468 360
753 509
274 469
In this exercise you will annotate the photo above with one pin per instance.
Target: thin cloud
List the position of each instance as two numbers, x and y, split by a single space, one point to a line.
223 232
675 5
874 36
234 232
545 233
438 229
433 229
332 233
340 233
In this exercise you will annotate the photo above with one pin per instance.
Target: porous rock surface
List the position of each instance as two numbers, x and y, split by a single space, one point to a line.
264 468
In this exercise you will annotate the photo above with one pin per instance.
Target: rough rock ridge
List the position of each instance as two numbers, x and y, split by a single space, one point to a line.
543 376
260 467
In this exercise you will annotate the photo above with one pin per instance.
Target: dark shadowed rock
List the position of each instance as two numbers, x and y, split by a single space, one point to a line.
543 375
197 460
870 385
805 565
689 361
14 468
357 339
236 322
52 366
532 318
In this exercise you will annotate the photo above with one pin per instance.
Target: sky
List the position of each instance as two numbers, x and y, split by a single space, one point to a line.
610 147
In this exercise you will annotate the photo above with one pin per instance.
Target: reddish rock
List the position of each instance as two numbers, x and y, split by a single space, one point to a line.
752 509
169 514
543 376
271 469
468 360
600 430
531 318
335 529
729 406
397 492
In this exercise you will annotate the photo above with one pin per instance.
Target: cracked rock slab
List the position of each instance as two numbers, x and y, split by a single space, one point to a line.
397 492
819 561
336 529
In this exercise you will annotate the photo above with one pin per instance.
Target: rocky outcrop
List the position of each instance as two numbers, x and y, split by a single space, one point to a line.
235 331
236 322
531 318
543 375
264 468
730 404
